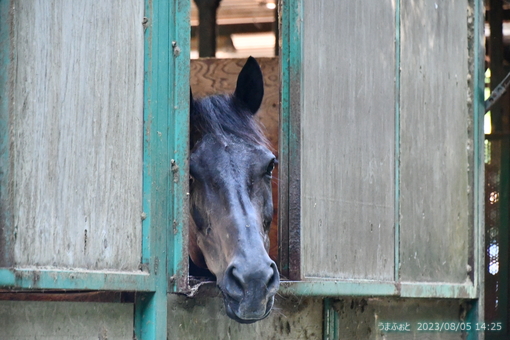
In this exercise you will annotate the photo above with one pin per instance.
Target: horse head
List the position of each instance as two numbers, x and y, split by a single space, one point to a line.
230 197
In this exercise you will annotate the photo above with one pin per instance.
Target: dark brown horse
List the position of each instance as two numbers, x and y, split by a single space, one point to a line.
230 197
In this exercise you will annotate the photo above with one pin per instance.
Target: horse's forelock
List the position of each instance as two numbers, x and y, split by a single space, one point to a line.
221 115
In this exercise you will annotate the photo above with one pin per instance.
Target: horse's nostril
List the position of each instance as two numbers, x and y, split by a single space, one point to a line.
235 282
274 280
239 280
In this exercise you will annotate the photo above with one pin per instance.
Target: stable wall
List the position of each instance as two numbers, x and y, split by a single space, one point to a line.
203 317
361 318
31 320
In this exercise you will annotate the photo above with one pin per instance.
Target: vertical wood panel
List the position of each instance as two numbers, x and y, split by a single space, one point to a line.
347 139
6 244
77 142
434 141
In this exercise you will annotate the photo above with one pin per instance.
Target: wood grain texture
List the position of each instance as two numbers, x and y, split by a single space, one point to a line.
213 76
347 140
77 124
434 187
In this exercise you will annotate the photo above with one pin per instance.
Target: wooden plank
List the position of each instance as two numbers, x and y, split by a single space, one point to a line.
289 231
100 296
347 140
77 134
24 320
212 76
203 317
321 287
72 279
177 244
434 190
438 290
6 216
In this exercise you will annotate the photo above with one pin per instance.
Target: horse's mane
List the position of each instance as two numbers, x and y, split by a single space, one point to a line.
224 115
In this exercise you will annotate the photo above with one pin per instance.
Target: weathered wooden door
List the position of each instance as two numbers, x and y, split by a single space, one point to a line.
75 150
381 145
93 148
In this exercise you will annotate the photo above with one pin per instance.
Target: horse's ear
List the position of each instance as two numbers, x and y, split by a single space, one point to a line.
250 85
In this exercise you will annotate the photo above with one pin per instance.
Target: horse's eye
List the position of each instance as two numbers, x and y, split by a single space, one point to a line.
270 167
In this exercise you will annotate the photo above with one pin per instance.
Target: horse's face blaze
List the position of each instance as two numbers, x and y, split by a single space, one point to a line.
231 201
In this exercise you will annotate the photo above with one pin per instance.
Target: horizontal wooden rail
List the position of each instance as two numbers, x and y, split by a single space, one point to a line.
35 278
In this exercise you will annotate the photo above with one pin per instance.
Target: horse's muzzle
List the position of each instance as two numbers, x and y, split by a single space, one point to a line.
235 313
249 293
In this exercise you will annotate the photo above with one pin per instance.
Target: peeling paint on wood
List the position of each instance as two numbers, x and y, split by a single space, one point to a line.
73 279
